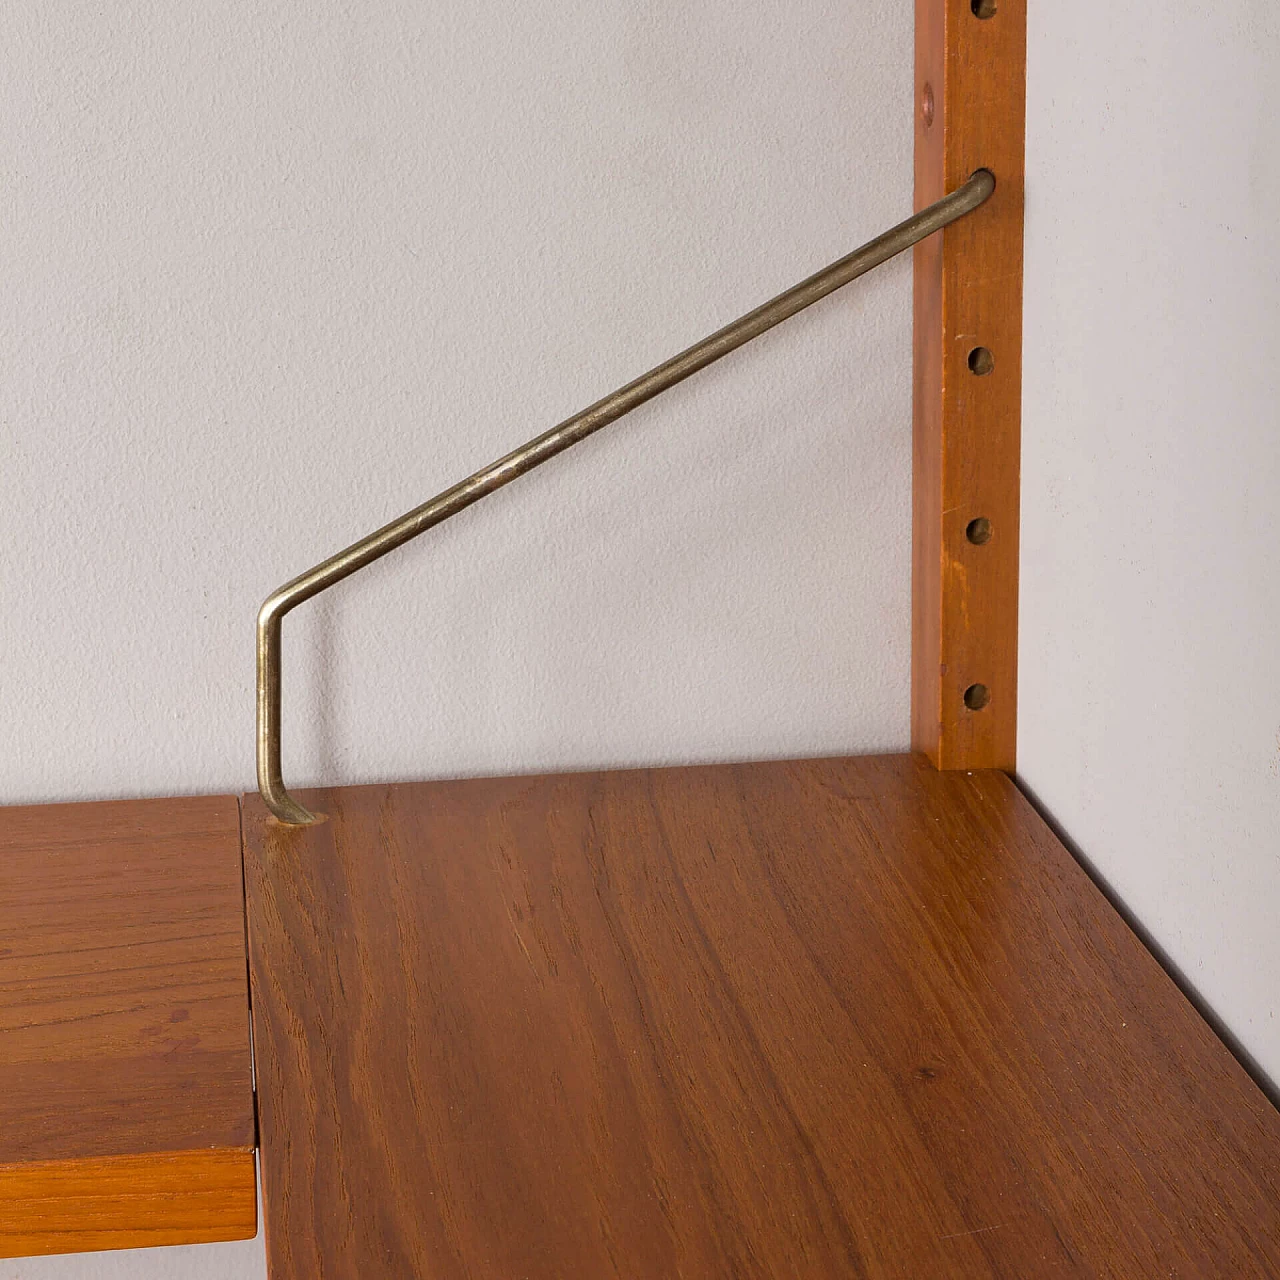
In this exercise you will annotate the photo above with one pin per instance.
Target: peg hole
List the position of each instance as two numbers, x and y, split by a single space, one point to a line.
981 361
978 531
976 696
983 8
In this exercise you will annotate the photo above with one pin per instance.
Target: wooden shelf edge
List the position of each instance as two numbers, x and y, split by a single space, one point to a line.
127 1202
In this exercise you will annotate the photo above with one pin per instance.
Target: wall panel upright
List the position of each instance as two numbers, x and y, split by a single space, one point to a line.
970 92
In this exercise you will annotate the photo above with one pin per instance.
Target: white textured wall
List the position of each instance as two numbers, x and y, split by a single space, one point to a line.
275 272
243 1261
1150 635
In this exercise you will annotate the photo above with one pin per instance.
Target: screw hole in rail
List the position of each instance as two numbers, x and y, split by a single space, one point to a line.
976 696
983 8
978 531
981 361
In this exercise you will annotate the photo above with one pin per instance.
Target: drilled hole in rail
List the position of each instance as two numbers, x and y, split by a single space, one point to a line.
976 696
981 361
983 8
978 531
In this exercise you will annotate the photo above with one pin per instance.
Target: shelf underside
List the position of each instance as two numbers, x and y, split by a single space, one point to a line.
820 1018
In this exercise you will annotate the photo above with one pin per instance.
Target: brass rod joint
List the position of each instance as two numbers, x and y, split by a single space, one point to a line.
943 212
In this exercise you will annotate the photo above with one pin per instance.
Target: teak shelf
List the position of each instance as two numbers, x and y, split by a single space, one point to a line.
822 1018
126 1092
862 1017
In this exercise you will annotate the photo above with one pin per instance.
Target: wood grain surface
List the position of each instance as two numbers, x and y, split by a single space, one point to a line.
127 1202
835 1018
124 1026
971 72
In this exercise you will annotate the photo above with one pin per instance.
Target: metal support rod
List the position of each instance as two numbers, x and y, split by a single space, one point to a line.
537 451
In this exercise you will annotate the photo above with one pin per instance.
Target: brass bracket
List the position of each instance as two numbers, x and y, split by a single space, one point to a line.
976 188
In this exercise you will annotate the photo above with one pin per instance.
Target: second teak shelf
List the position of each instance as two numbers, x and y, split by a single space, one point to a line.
825 1018
126 1087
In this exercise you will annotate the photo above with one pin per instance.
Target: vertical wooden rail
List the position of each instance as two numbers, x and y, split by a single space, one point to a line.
970 91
